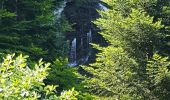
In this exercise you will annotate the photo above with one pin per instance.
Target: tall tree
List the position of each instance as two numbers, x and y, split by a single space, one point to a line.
29 26
134 36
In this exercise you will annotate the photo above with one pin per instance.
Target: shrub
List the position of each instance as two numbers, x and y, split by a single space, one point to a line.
20 82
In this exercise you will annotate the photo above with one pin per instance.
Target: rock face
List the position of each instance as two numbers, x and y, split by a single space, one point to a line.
80 17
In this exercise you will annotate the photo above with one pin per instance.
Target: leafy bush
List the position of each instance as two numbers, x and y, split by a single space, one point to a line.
19 82
69 95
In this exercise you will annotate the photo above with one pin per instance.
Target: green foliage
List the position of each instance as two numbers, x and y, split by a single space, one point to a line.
124 6
134 32
5 13
30 27
69 95
162 11
158 69
113 73
127 69
87 96
20 82
67 77
159 77
122 70
62 75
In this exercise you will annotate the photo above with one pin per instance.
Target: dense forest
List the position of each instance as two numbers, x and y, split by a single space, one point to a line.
84 49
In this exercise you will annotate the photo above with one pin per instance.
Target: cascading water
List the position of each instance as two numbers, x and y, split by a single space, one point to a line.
73 55
102 7
80 18
89 38
88 49
57 22
59 11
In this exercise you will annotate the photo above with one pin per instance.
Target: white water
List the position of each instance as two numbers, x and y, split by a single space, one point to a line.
89 37
89 40
73 53
59 11
102 7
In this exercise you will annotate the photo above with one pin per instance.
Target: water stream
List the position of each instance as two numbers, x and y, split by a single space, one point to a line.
73 61
80 50
58 11
85 58
73 53
89 38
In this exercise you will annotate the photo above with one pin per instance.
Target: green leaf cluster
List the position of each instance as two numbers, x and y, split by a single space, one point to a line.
19 82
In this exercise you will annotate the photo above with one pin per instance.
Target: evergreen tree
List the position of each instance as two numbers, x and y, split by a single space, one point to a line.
113 74
158 77
133 37
130 28
29 26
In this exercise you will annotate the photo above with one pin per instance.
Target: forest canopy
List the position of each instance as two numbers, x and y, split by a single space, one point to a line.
84 49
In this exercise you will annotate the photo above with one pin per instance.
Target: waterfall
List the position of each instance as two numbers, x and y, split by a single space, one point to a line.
73 53
102 7
59 11
89 37
89 40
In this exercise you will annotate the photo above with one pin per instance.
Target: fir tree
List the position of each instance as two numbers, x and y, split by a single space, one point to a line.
133 37
29 26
